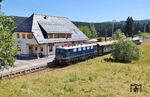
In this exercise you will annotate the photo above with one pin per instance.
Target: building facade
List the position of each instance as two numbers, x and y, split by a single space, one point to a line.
39 35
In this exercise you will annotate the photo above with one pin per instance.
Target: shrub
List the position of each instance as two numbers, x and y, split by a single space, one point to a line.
99 39
124 50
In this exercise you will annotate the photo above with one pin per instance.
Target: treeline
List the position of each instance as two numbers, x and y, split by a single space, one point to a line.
93 30
103 29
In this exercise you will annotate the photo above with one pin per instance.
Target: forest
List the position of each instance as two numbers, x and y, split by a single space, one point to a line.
93 30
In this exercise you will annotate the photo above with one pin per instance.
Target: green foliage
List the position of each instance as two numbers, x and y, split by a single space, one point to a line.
1 1
8 49
119 35
93 31
91 78
88 30
144 34
148 27
129 27
99 39
124 50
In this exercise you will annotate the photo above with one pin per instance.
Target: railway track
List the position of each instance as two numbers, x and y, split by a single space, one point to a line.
20 71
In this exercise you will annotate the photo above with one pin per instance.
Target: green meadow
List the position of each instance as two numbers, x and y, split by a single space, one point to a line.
91 78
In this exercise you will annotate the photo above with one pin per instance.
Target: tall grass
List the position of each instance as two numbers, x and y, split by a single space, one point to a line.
92 78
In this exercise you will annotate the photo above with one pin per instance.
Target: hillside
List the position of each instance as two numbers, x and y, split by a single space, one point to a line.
92 78
100 28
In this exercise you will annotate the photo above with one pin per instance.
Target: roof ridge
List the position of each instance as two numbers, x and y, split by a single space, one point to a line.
50 16
32 22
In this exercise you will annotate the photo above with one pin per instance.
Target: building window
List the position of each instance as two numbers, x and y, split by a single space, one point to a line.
50 48
59 35
29 36
18 35
62 35
41 49
56 35
68 35
35 48
50 35
23 36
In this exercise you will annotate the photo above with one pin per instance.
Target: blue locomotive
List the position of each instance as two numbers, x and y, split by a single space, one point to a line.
76 53
70 54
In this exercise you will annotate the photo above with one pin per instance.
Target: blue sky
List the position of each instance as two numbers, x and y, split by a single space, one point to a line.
80 10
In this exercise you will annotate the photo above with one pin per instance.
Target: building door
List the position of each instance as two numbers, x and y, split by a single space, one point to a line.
51 49
30 50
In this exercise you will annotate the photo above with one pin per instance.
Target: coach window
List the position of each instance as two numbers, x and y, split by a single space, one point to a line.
84 48
91 47
88 48
75 50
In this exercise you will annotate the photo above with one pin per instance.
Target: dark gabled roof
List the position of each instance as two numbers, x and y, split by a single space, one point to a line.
26 26
39 24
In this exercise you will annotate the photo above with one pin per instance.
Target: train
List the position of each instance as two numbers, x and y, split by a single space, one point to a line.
69 54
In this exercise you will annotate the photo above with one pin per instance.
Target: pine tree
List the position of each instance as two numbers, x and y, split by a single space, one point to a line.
129 27
93 31
148 27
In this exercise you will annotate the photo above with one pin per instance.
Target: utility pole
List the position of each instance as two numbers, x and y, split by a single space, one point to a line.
113 24
145 27
105 34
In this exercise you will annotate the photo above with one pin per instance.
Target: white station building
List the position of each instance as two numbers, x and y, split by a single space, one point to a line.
39 35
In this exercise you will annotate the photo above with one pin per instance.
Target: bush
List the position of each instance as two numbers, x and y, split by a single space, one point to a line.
124 50
99 39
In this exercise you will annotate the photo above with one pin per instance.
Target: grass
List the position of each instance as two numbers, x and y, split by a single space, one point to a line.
92 78
144 34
